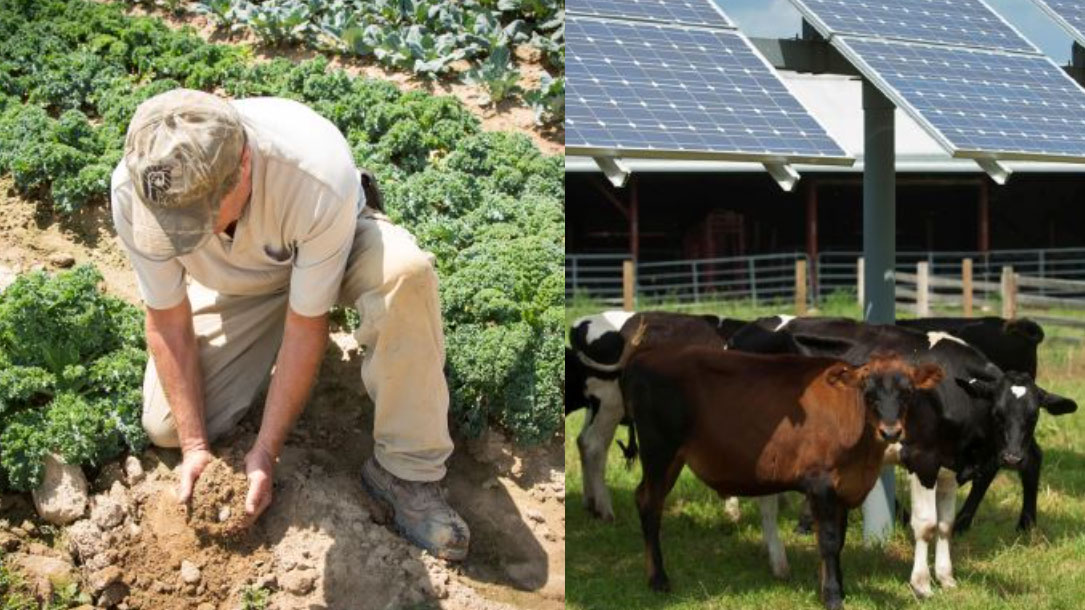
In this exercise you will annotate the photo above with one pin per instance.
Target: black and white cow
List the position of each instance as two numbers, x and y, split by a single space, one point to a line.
978 415
1012 346
596 342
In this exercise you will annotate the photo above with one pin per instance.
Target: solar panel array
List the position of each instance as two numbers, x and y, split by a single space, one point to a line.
688 12
963 73
674 79
1070 14
650 87
953 22
979 99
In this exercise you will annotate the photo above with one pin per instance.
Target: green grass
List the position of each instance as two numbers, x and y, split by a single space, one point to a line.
716 564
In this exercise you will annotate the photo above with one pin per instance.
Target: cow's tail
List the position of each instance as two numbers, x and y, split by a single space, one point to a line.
629 452
628 350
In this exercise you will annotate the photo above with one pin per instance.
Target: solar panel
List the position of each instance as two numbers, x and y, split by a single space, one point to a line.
1070 14
644 89
979 103
953 22
688 12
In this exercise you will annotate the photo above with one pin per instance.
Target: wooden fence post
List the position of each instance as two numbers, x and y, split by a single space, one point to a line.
1009 293
629 281
966 287
922 289
800 287
859 281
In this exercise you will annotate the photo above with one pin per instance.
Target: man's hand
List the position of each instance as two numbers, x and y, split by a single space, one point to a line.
259 465
192 465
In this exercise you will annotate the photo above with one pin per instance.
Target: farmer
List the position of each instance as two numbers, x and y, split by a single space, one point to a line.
245 222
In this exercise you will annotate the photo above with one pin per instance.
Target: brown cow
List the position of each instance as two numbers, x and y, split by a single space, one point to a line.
754 425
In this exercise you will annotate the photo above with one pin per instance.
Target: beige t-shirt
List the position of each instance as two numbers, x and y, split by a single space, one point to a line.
296 231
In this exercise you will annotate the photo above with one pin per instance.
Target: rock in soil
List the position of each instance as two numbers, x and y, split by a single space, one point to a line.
43 573
62 496
222 485
190 574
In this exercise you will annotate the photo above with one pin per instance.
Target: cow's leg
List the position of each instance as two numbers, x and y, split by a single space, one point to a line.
660 470
732 509
831 519
594 442
946 500
805 524
1030 485
980 482
770 506
924 525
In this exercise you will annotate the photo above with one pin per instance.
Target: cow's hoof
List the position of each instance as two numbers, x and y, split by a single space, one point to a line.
834 602
1025 524
961 526
947 581
660 584
782 572
921 589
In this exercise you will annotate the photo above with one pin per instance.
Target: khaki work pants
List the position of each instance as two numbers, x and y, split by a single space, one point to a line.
392 284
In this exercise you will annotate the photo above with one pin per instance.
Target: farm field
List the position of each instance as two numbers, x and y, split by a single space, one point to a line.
714 563
478 184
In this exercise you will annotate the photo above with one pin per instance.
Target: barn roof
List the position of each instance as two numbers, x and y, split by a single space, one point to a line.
836 101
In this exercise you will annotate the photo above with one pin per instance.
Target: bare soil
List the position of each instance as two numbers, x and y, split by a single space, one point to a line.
322 544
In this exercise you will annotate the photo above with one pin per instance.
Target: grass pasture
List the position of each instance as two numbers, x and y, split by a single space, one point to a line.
716 564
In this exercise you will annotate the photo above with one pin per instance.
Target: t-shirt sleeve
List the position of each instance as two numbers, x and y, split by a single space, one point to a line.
161 283
321 254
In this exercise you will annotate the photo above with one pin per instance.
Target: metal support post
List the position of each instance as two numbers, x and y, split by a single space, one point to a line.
879 254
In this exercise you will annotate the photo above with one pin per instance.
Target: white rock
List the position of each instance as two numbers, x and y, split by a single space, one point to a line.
62 496
107 513
224 514
189 572
133 469
85 540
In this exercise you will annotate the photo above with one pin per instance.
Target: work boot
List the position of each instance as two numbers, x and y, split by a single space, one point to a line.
422 514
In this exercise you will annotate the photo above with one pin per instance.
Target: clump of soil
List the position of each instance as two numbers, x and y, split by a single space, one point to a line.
217 507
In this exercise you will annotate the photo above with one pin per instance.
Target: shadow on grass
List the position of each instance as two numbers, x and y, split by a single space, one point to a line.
711 560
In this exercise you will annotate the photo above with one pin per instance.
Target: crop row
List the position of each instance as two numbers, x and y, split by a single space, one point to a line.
425 37
490 205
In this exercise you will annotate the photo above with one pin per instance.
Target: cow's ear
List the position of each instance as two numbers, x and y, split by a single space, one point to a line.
926 376
843 376
822 344
1026 329
976 387
1055 404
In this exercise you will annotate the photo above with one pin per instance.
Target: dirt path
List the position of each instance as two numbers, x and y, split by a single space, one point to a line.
322 544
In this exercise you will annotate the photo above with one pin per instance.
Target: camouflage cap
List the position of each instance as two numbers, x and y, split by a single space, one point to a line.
181 149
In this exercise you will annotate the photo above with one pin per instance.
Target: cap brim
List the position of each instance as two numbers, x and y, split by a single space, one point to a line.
164 233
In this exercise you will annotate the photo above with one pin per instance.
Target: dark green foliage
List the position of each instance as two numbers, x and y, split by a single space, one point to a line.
71 367
489 205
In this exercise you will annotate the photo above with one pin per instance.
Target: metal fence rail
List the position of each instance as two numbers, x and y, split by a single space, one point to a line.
771 277
759 278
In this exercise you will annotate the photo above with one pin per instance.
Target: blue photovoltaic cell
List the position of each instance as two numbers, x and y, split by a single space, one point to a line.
1070 11
1014 105
648 87
953 22
689 12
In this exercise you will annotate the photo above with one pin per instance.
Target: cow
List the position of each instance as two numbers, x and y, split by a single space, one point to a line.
978 416
597 341
1011 345
752 425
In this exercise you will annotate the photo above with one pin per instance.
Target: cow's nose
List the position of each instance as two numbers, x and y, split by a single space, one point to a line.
890 434
1011 459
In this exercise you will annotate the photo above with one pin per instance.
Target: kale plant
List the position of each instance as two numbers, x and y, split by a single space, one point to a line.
71 367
